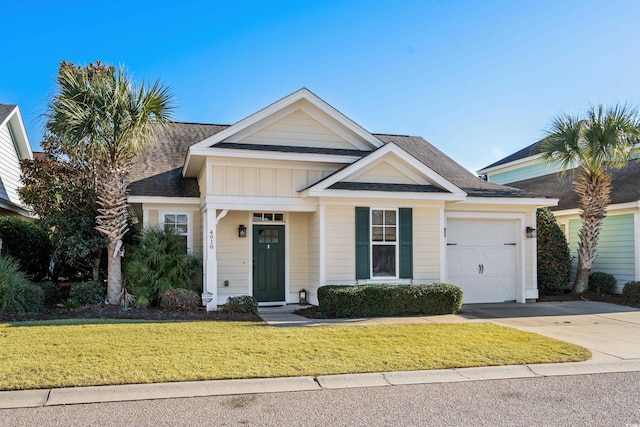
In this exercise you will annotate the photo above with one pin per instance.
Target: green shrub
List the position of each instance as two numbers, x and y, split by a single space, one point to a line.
179 299
142 302
28 243
389 300
159 262
88 293
602 283
52 293
17 293
241 304
631 292
554 259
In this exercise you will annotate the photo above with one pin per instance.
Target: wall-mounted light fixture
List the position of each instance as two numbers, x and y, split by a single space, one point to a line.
531 232
242 231
303 296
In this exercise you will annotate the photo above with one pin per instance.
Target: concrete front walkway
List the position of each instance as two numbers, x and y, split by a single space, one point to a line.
611 332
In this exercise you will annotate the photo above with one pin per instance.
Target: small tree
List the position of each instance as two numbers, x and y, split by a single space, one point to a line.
61 191
159 262
103 117
593 143
554 259
28 244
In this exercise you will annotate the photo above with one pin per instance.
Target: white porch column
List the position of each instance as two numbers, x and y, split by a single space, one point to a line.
210 264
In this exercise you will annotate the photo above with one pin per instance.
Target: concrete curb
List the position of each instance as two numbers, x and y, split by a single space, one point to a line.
119 393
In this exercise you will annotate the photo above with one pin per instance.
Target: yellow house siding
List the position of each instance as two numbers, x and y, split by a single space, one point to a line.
340 244
313 254
384 173
297 129
263 181
298 252
233 255
426 245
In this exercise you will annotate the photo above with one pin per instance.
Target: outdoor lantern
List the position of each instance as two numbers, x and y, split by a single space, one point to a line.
242 231
531 232
303 297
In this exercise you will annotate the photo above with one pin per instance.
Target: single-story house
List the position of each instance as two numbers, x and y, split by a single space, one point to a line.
618 250
297 196
14 146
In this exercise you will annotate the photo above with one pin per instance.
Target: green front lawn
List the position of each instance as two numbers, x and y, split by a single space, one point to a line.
123 353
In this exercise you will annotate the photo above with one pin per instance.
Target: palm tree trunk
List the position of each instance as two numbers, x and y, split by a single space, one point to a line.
114 270
594 189
111 192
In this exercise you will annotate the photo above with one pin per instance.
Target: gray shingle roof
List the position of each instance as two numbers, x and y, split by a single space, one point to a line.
444 166
158 169
374 186
5 110
528 151
625 187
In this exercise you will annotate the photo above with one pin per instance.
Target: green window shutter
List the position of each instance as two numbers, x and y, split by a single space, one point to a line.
406 242
362 243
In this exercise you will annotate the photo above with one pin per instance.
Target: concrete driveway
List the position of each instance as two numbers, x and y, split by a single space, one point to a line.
610 331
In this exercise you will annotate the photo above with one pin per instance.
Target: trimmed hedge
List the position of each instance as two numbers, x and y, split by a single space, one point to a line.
631 292
602 283
88 293
241 304
28 243
554 259
388 300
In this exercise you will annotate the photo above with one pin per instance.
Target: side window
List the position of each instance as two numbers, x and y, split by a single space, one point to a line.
179 224
384 242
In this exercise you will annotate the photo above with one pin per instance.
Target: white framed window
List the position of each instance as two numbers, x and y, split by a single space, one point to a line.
268 217
180 223
384 243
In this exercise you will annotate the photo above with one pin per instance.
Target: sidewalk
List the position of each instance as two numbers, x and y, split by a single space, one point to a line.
591 324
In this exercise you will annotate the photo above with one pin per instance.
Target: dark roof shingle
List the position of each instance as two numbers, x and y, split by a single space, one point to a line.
444 166
157 171
5 110
528 151
624 184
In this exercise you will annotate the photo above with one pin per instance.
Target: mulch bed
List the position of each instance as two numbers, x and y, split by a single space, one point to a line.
313 312
101 311
587 296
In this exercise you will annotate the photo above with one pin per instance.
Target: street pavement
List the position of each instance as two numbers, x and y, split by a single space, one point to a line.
610 332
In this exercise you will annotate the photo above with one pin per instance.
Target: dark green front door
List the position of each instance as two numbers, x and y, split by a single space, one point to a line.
268 262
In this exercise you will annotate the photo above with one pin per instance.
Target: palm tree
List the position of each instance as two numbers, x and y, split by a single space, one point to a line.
104 118
592 144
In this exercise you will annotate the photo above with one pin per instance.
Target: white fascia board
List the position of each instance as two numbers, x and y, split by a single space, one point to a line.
524 201
272 155
282 104
616 207
4 204
379 153
367 194
507 165
162 200
19 132
256 203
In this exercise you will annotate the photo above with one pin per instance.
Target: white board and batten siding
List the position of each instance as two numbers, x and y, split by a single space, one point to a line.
9 167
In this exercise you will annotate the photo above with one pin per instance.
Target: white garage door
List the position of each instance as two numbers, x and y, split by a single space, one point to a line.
482 259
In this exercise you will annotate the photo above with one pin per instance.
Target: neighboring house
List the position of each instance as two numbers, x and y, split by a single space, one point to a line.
14 146
323 201
618 250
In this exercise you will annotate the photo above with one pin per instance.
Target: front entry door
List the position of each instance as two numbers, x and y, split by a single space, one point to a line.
268 263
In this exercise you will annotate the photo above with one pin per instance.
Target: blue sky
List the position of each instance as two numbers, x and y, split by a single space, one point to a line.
478 79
